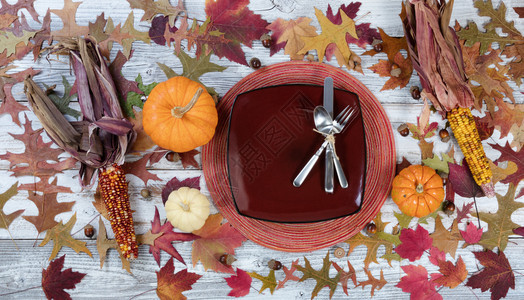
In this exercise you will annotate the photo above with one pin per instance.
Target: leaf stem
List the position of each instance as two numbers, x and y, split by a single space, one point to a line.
21 291
477 210
138 295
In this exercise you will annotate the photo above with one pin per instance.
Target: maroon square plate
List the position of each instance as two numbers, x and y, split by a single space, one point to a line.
271 138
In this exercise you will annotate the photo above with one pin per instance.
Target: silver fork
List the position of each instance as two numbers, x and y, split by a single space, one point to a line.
341 120
338 127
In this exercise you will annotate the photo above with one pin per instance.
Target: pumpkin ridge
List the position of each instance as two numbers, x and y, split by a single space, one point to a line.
204 132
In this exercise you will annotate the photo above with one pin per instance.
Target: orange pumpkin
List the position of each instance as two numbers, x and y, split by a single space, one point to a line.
180 115
417 190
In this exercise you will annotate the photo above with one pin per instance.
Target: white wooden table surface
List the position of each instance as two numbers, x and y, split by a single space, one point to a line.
21 268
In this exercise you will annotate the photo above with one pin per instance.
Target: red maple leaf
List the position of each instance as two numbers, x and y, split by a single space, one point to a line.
507 154
451 275
435 255
188 158
55 281
139 167
235 20
462 180
414 243
289 274
472 234
462 213
497 275
164 241
240 284
214 240
170 285
174 184
417 283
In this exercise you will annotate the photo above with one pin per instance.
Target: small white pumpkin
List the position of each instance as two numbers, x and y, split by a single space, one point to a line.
187 209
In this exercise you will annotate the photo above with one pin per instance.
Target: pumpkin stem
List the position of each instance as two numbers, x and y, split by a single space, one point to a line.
178 111
184 206
420 188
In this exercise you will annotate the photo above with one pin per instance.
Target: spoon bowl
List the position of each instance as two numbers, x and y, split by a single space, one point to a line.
323 121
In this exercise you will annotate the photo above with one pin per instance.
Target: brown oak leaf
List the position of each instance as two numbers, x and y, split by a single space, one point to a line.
508 154
320 276
385 69
10 105
188 158
444 239
376 284
345 276
68 16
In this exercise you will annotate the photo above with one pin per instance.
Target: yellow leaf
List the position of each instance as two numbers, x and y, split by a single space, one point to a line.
61 236
331 34
291 33
501 173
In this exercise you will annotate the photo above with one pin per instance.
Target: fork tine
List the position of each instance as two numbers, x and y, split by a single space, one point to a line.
346 120
340 116
348 114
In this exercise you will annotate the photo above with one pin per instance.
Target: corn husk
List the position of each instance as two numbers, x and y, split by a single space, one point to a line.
436 53
103 136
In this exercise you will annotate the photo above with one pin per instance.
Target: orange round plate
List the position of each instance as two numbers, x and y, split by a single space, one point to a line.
299 237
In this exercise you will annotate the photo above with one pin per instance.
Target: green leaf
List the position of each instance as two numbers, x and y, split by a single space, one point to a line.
439 164
8 41
268 282
167 70
471 34
497 17
62 103
321 276
403 220
500 225
135 99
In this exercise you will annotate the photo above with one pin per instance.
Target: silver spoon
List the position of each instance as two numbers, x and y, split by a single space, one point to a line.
324 124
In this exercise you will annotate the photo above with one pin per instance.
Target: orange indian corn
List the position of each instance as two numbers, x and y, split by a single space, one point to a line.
436 55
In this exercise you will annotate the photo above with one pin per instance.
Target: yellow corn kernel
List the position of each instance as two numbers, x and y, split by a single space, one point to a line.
465 130
113 189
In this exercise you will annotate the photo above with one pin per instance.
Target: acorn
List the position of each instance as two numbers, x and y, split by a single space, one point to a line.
444 135
274 265
339 252
255 63
226 259
371 228
172 156
449 207
403 129
415 92
145 193
89 231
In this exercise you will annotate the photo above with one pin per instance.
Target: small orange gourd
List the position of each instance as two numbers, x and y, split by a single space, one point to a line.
179 115
418 191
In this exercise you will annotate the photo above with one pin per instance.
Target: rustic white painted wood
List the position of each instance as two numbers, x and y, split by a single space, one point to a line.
21 260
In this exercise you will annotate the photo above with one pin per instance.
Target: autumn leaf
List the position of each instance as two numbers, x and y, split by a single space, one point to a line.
62 103
55 280
462 181
142 142
451 275
174 184
13 9
471 35
472 234
331 33
165 241
366 34
376 284
6 19
139 167
417 283
414 243
402 165
385 68
444 239
268 282
462 213
135 99
390 45
194 68
61 236
9 41
497 275
239 283
152 8
67 15
508 154
289 33
373 243
519 231
10 105
435 256
320 276
103 244
439 164
188 158
500 225
6 220
123 85
48 208
157 29
484 127
345 276
215 239
170 285
423 129
289 274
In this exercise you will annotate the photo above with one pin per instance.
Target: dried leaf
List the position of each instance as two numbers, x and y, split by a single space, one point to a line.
268 282
463 182
414 243
508 154
321 276
290 33
439 164
500 225
170 285
384 68
165 241
123 85
135 99
426 149
240 284
471 35
462 213
376 284
390 45
67 15
174 184
345 276
9 41
10 105
289 274
103 244
452 275
6 220
55 280
158 27
444 239
139 168
436 256
13 9
48 208
61 236
497 275
501 173
214 240
152 8
472 234
6 19
188 158
194 68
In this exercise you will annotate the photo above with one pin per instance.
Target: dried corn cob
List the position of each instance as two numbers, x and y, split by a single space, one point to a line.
465 130
113 188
